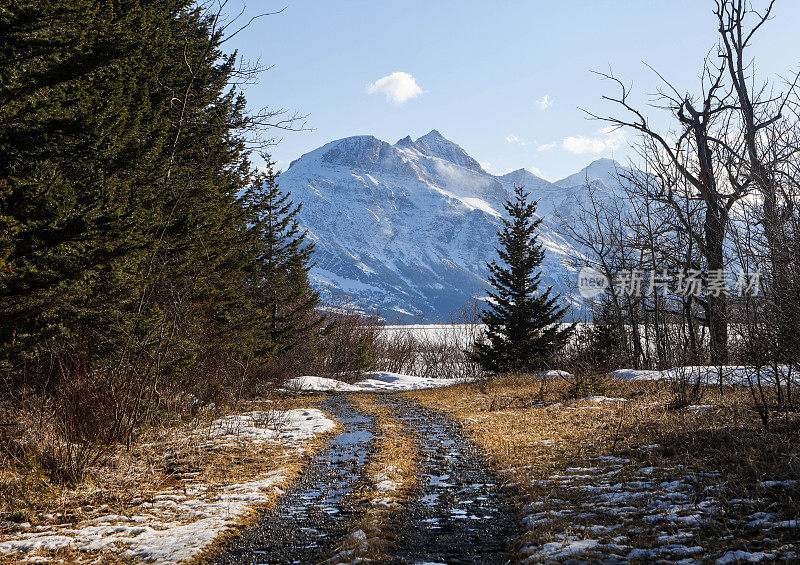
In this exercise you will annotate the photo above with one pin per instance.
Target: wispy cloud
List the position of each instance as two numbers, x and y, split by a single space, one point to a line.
399 87
515 139
544 102
609 139
546 146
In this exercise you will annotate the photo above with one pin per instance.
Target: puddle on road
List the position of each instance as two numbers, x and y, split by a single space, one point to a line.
309 519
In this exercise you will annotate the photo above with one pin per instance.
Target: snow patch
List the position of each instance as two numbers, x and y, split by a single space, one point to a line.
375 381
180 522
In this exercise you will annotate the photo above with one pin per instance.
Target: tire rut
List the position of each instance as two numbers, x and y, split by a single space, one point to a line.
314 514
459 514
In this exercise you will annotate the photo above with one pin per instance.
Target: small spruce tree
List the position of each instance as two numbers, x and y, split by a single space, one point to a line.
282 291
522 324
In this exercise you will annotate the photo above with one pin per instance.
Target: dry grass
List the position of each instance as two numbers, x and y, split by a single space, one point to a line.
168 458
533 434
392 471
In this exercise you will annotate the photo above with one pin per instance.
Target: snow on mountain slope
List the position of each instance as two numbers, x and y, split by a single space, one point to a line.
435 145
603 170
406 229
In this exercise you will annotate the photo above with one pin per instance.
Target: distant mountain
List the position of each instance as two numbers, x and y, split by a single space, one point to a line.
406 229
604 171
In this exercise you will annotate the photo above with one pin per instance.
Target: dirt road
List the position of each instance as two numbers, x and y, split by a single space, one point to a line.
458 513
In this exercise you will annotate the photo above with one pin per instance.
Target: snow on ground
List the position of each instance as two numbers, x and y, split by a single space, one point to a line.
554 373
174 525
386 488
612 510
389 382
288 426
397 382
371 382
709 374
385 381
319 384
601 399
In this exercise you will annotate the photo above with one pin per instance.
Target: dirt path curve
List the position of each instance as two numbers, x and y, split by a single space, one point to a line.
459 514
315 514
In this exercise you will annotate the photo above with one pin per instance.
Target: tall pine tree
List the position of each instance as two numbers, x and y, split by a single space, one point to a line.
522 324
126 242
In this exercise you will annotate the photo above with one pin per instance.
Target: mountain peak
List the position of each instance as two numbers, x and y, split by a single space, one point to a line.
434 144
523 177
604 170
604 162
433 134
363 152
405 142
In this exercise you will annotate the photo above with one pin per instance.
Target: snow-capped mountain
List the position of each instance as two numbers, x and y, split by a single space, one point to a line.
407 229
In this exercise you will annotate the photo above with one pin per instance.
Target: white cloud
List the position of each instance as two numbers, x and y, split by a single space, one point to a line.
608 140
399 87
544 102
546 146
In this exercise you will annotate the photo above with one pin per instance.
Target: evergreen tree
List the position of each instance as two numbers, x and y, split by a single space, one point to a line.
127 240
81 133
522 325
282 290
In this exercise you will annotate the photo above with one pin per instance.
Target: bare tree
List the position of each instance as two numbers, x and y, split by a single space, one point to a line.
690 164
767 150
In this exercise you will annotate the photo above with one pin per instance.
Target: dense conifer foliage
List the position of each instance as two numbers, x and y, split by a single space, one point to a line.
142 254
522 323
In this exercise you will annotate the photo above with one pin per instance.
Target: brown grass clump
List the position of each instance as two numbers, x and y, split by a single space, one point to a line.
393 461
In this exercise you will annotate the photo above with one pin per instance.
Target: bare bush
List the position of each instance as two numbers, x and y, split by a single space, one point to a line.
433 351
348 343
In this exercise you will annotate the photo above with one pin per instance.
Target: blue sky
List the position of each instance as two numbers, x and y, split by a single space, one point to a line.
483 70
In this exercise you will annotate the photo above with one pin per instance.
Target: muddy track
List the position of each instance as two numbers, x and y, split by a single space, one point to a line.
458 513
314 515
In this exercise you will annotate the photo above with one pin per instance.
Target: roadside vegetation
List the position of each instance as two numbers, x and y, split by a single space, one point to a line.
153 275
620 472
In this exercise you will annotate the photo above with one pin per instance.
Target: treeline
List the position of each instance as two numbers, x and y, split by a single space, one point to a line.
702 246
146 266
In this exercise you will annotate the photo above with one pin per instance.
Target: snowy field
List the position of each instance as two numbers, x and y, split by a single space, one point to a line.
460 335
